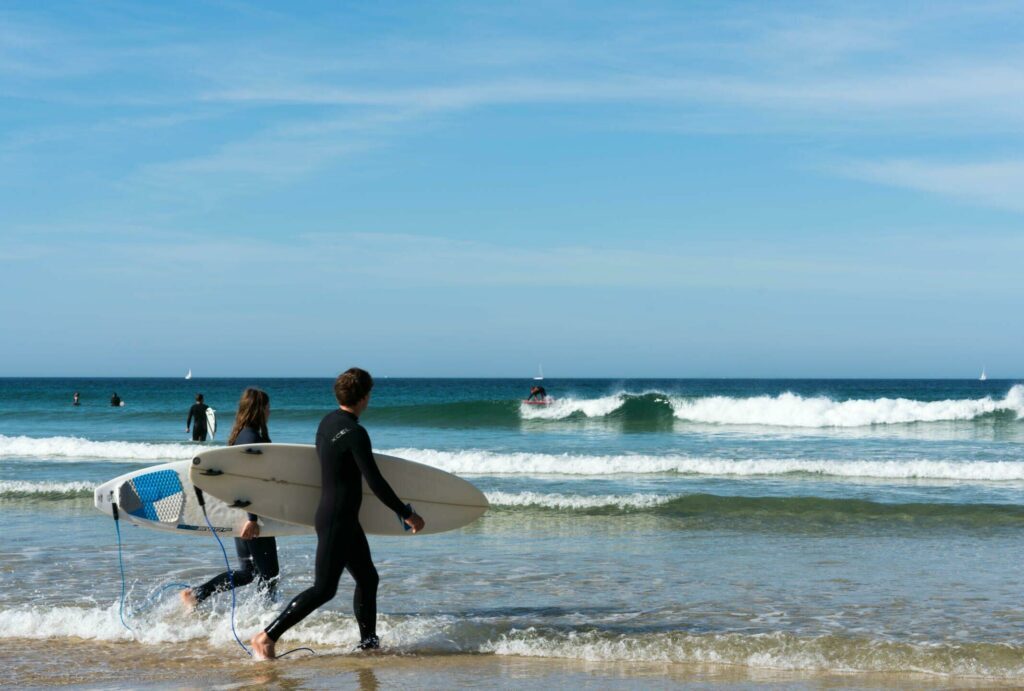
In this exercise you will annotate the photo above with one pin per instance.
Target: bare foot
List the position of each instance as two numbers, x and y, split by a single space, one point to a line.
262 646
188 598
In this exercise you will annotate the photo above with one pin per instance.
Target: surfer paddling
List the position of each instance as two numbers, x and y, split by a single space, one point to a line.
346 459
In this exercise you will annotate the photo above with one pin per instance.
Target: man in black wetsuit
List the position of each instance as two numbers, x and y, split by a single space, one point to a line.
539 392
115 400
198 412
343 447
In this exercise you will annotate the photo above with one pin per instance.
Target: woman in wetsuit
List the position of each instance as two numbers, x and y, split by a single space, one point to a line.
257 555
343 447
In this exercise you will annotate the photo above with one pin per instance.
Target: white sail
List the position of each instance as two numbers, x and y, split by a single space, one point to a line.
540 373
189 375
983 377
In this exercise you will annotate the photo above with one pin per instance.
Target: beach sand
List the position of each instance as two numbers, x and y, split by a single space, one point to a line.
80 663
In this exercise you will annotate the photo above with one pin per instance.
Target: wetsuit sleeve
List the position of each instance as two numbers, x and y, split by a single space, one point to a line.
191 413
363 455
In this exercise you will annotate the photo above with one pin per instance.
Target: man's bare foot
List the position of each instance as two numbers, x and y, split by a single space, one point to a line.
262 646
188 598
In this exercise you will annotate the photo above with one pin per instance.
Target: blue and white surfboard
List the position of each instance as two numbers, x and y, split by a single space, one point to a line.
161 498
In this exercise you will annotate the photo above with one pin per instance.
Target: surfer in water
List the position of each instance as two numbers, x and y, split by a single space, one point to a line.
257 555
115 401
74 400
539 392
346 459
198 412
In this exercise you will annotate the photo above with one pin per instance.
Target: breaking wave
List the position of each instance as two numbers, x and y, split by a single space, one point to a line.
44 491
479 462
77 448
783 410
712 507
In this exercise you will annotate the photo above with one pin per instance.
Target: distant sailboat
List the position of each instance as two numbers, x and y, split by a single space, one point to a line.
540 373
983 377
189 375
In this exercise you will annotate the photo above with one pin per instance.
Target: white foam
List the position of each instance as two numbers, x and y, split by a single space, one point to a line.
336 631
561 408
77 448
788 409
780 651
480 462
576 501
792 410
23 488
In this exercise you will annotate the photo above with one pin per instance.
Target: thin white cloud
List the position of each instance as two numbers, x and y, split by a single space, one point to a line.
302 262
990 183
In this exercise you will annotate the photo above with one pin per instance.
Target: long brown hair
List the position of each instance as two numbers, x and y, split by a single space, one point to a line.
253 411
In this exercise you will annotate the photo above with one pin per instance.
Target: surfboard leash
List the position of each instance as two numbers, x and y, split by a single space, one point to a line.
227 562
231 581
151 600
120 563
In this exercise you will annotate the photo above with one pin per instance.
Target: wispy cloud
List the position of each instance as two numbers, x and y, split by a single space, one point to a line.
988 183
860 71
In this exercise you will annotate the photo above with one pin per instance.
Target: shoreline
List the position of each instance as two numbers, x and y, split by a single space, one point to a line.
79 662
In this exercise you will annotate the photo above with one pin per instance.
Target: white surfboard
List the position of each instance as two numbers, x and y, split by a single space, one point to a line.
161 497
282 481
211 421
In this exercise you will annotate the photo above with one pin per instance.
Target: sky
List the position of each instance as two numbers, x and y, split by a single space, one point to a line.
609 189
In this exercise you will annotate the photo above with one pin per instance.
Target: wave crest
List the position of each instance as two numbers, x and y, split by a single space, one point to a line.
77 448
20 489
792 410
784 410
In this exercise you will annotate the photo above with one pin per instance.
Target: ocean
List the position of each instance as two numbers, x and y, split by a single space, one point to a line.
640 531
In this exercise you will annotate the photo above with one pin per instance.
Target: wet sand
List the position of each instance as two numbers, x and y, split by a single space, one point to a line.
89 664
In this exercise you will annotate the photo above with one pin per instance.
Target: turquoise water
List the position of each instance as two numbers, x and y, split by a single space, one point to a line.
836 525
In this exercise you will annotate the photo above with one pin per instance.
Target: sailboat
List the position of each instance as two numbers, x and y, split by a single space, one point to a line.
983 377
540 373
189 375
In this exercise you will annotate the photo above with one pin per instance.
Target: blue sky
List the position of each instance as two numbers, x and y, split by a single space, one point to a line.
470 189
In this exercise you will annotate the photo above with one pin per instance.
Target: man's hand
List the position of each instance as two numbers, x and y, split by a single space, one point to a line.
415 522
251 529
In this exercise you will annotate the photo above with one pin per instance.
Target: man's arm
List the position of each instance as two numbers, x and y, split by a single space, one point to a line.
363 454
191 413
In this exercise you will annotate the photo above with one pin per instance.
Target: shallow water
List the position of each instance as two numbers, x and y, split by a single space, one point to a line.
821 527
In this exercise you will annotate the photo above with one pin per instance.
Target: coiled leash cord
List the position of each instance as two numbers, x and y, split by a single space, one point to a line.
231 579
151 600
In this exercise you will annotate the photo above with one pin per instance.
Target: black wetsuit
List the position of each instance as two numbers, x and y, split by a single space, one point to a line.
198 412
258 556
343 447
115 401
539 392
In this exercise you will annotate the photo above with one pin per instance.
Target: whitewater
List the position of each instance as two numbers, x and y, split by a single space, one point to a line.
785 409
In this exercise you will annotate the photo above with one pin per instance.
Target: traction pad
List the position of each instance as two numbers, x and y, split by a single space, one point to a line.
155 496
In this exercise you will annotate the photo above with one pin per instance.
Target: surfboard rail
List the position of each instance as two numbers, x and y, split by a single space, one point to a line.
282 482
